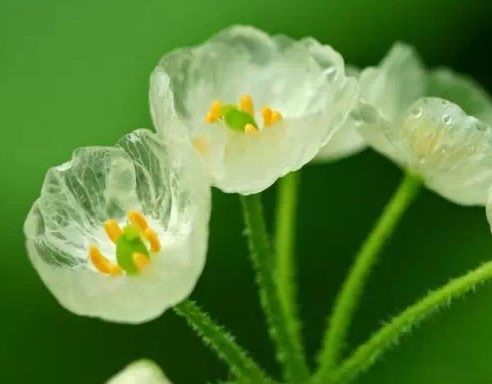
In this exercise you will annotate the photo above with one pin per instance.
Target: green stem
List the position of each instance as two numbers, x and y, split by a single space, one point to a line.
367 354
290 355
285 237
242 366
348 299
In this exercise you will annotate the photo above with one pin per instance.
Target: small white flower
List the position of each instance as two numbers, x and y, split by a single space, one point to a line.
430 136
121 233
140 372
300 87
346 141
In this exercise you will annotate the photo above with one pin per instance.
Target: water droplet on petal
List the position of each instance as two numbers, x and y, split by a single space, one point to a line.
446 119
481 126
416 112
355 115
369 115
331 74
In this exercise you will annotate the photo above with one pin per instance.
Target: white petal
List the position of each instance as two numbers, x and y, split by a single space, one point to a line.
462 90
140 372
164 181
303 79
346 141
439 141
399 80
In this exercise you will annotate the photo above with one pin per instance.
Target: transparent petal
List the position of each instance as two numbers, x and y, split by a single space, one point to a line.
304 80
399 80
140 372
164 181
439 141
462 90
346 141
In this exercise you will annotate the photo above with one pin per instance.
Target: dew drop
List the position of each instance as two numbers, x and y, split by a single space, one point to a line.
355 115
445 103
446 119
481 126
416 112
369 115
331 74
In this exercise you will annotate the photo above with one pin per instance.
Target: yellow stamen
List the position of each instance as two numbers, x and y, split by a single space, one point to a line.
249 128
246 104
151 236
276 117
139 220
102 264
214 112
140 260
113 230
267 116
209 119
202 146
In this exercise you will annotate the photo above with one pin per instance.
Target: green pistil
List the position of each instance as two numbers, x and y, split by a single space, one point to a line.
128 243
236 119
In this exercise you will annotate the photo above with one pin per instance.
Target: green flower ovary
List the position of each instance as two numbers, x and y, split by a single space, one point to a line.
236 119
128 243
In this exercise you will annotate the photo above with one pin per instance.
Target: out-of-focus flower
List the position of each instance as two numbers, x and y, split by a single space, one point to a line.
255 107
121 233
140 372
430 136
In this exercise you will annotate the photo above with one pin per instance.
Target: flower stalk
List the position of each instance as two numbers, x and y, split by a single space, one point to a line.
240 364
286 219
289 352
347 302
389 335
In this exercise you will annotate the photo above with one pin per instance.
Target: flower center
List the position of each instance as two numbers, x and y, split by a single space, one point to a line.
241 117
132 246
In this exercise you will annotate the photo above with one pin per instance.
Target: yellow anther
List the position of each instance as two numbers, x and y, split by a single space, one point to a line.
249 128
151 236
266 112
216 108
276 117
214 112
113 230
246 104
139 220
209 119
202 146
140 260
102 264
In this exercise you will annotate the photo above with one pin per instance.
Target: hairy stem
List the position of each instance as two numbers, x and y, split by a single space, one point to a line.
348 299
289 353
213 335
368 353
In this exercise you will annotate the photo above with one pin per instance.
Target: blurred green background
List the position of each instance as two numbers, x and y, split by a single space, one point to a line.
75 73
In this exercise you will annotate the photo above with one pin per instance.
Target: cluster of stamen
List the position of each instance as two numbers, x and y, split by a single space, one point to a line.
129 260
242 116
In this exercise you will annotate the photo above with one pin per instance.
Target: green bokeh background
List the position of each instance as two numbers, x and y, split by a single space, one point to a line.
75 73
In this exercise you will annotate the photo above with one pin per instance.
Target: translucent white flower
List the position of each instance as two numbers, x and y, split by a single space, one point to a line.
300 88
346 141
430 136
140 372
121 233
